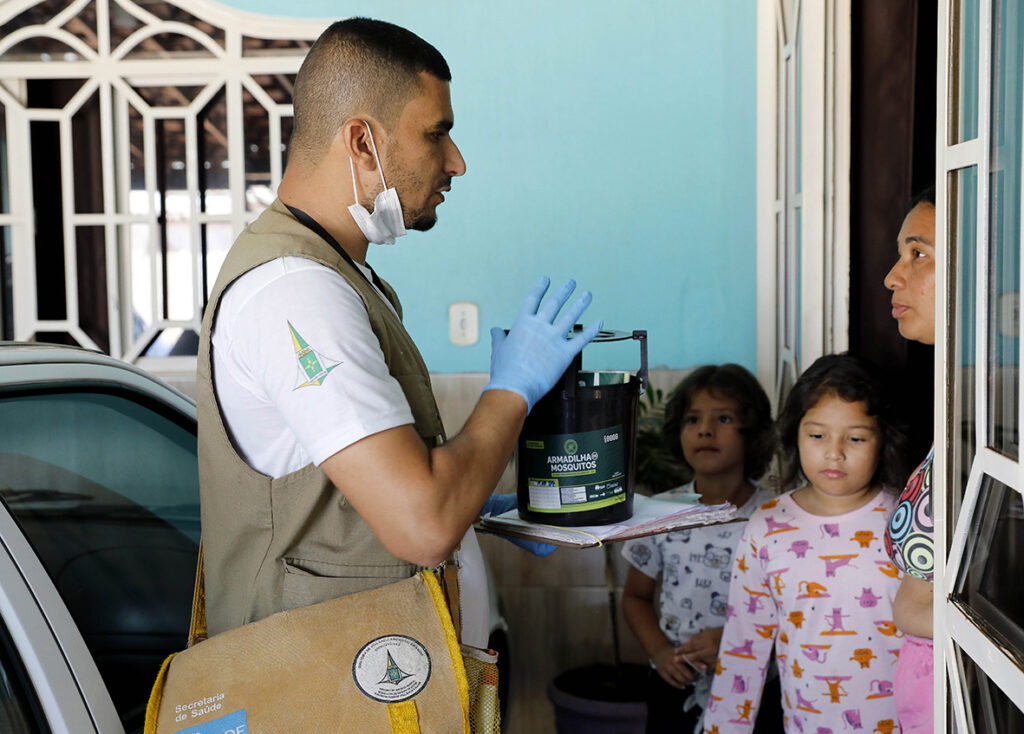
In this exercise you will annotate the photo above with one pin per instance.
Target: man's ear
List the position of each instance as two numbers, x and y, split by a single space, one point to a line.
354 138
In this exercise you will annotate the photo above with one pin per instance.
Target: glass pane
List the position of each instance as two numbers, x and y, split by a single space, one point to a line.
963 228
278 86
169 45
138 198
257 152
6 290
87 157
84 26
168 11
5 201
174 342
988 584
989 709
122 24
963 78
105 487
144 269
51 293
797 108
179 261
780 118
1004 224
40 48
797 259
176 230
213 152
273 47
38 14
91 252
20 712
52 94
287 123
785 282
169 96
217 238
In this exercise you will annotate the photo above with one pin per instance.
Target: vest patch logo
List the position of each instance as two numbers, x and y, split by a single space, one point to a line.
391 668
313 366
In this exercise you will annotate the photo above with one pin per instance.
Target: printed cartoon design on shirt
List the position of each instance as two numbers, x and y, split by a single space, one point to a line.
821 593
313 366
717 557
800 548
909 535
695 566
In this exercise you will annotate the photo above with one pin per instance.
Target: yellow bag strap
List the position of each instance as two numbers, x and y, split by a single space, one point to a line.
197 627
452 643
404 718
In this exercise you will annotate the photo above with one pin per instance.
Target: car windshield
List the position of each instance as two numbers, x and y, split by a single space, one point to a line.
105 486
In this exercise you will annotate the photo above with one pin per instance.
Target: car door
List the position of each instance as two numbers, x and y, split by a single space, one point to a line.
48 680
98 476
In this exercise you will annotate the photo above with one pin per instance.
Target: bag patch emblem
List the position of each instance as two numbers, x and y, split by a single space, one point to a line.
391 668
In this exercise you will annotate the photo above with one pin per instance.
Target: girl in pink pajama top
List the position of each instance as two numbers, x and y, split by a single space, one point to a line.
812 578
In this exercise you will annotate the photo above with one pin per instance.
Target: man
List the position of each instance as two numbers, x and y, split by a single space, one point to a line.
323 466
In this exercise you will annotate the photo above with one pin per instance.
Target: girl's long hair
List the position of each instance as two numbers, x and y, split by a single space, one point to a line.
856 381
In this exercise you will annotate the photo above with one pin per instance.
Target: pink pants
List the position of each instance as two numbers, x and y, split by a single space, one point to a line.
913 692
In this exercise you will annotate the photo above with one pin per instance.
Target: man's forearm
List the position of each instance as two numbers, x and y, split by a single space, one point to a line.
419 502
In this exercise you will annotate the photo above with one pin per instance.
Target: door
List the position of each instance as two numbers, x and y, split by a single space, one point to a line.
979 515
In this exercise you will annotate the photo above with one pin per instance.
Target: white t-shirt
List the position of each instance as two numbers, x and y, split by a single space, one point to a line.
695 566
299 375
298 371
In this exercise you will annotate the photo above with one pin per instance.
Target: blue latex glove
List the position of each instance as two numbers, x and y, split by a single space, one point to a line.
535 353
501 503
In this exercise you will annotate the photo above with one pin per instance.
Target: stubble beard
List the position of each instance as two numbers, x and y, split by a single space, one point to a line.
422 218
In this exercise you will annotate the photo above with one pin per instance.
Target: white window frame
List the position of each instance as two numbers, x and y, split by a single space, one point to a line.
109 72
951 626
821 32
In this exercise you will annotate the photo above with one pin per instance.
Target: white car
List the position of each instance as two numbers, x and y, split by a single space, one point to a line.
99 533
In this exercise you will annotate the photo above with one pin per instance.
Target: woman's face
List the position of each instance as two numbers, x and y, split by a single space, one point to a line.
912 278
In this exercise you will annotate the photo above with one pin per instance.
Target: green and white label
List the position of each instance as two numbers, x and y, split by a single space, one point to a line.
575 472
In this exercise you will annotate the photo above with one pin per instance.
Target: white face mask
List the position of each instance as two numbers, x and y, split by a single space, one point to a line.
387 221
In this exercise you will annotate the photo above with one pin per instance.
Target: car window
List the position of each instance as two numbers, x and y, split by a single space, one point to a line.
20 712
105 486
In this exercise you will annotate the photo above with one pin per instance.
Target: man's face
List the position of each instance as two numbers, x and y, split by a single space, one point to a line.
421 158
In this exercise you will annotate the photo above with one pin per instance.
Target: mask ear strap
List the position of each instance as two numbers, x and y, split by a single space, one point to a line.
380 168
352 167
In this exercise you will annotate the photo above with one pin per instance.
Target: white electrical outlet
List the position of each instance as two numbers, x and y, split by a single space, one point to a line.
463 323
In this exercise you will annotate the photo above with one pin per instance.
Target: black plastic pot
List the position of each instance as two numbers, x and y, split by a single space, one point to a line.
575 452
600 699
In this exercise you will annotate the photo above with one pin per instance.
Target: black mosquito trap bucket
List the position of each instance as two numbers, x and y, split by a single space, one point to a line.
575 452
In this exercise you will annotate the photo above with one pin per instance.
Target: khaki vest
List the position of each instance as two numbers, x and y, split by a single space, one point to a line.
276 544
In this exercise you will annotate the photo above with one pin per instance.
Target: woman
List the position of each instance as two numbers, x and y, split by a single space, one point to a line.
909 538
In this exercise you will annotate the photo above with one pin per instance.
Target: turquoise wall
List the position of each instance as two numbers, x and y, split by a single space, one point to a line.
609 142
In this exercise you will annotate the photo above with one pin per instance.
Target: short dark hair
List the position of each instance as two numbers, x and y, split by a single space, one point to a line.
924 196
358 66
854 380
736 383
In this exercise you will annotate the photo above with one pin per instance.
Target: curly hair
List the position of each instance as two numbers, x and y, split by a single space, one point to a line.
854 380
736 383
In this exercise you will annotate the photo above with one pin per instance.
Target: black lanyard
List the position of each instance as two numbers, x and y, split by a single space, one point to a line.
327 237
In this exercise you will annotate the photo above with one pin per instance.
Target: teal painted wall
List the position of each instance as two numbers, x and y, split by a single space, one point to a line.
609 142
